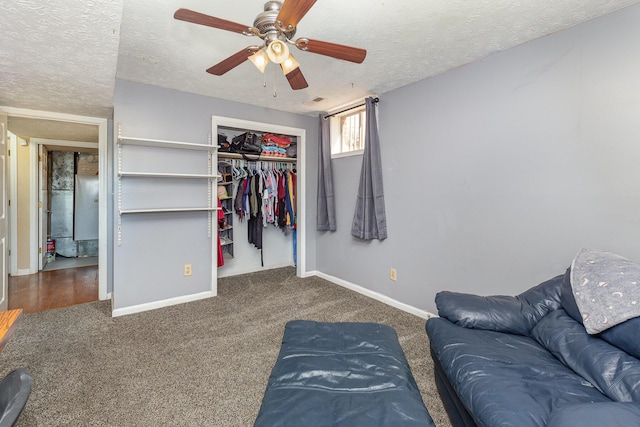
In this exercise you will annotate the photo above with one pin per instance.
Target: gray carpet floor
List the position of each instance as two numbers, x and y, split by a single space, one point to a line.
204 363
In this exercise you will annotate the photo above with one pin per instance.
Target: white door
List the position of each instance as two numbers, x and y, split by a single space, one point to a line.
43 204
4 292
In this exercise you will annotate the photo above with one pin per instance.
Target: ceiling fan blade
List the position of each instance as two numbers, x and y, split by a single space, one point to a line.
334 50
296 79
231 62
293 11
210 21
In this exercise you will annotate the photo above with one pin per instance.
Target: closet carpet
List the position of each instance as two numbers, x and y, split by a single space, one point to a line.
204 363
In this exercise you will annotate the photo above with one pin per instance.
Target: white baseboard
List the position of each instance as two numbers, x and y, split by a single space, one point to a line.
22 272
160 304
309 274
375 295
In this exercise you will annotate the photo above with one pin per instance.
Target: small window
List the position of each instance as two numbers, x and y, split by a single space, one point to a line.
347 133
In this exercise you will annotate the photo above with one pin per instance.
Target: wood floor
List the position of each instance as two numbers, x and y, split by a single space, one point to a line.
53 289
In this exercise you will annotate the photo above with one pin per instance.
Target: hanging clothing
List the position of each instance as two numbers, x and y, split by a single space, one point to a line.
265 196
255 226
282 195
268 198
237 201
245 197
290 199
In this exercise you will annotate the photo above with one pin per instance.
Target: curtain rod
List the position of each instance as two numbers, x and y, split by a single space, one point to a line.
375 101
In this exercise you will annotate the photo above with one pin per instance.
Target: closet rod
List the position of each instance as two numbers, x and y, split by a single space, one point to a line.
375 101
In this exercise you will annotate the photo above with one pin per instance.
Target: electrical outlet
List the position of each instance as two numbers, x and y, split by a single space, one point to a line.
393 274
187 269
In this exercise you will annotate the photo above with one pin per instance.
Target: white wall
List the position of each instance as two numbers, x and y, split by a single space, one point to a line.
498 172
147 267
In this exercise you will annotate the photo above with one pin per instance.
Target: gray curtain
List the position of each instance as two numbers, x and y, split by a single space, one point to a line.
369 219
326 217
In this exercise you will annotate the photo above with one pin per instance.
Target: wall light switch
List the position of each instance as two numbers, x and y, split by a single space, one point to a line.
187 269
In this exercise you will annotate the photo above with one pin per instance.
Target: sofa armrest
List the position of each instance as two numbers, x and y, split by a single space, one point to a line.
494 313
501 313
610 414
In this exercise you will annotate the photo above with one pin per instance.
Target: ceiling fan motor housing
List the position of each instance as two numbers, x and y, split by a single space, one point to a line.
265 22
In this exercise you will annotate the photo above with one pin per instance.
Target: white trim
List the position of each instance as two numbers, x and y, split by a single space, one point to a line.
254 270
309 274
347 154
50 115
23 272
160 304
375 295
34 194
33 208
301 175
42 253
103 201
13 209
301 213
102 171
64 143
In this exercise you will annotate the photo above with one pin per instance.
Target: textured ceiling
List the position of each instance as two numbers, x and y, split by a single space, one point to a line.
59 55
64 55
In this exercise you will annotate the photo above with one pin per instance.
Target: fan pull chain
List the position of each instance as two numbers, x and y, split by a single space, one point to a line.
275 78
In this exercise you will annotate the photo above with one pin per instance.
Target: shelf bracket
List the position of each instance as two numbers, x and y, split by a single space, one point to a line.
119 183
210 189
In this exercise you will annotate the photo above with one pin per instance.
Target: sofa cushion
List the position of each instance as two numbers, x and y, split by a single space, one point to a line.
613 414
504 379
625 336
515 315
612 371
606 288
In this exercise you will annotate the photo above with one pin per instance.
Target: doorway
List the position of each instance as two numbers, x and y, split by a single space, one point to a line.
51 131
67 212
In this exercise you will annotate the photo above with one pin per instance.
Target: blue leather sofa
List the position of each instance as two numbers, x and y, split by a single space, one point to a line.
528 361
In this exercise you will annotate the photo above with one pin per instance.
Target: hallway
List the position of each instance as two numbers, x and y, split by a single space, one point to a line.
53 289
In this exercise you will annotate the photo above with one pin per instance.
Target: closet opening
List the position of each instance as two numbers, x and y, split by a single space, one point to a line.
276 236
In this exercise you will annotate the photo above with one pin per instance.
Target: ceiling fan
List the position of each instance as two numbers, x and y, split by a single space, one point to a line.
276 26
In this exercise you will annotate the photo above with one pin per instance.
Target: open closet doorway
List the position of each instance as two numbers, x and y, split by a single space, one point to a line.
67 209
48 133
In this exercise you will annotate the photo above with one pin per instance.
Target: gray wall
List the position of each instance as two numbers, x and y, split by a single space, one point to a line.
147 267
498 172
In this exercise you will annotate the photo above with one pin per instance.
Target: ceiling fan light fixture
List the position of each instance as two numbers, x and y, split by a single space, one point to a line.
260 59
289 65
278 51
275 26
